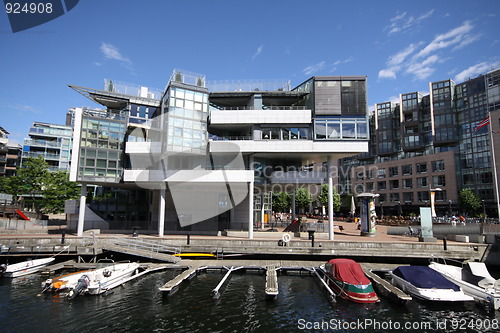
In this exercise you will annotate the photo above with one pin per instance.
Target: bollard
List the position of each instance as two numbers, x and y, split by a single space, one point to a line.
63 236
444 244
311 237
188 238
135 233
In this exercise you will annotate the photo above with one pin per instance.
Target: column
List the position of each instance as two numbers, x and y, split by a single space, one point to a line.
161 213
250 209
262 210
83 205
330 199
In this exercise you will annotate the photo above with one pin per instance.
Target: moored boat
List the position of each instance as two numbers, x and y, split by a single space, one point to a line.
347 279
425 283
25 267
93 282
474 279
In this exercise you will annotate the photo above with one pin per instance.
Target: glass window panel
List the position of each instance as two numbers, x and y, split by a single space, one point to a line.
189 95
112 164
348 130
101 163
90 162
189 105
198 97
320 131
177 131
333 130
179 103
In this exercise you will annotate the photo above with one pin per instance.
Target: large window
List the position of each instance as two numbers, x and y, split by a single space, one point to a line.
336 128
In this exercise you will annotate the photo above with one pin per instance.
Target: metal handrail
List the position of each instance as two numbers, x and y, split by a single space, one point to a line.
139 244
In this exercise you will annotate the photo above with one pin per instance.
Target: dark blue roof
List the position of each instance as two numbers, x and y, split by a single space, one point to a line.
424 277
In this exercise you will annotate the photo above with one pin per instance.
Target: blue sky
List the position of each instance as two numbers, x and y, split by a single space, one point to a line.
399 45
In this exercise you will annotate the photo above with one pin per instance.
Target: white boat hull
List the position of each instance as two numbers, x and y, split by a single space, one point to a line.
26 267
99 280
430 294
453 274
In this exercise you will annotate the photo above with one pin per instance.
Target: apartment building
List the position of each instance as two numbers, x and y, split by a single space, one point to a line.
205 156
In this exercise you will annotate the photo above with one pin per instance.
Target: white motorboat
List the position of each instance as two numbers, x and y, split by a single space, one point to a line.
474 279
427 284
93 282
24 268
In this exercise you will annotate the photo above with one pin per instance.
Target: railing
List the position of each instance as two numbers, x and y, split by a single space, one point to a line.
131 90
44 155
285 108
230 138
249 85
42 143
138 244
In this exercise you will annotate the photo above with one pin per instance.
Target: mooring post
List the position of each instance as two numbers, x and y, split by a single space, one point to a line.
188 238
63 236
445 247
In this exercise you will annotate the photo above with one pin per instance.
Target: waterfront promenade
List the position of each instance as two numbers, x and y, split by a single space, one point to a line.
347 242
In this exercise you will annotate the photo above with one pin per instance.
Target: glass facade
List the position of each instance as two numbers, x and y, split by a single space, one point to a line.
101 147
340 128
187 112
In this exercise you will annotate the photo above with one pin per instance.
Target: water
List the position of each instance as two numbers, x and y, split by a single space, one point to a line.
300 306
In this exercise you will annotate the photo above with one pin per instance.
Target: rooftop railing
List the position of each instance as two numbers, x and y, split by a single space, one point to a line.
249 85
131 89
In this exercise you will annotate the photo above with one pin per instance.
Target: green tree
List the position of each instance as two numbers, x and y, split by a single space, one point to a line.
56 190
323 198
47 190
281 201
303 198
468 201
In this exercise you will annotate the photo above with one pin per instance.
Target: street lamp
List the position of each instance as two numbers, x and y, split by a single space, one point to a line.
433 195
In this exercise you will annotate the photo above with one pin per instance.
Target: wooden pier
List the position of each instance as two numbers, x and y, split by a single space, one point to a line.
271 282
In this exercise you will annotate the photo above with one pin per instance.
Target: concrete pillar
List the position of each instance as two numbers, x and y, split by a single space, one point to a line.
262 210
83 205
294 215
161 213
250 210
330 199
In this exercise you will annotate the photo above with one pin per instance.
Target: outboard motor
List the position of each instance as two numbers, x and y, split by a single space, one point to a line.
3 268
83 283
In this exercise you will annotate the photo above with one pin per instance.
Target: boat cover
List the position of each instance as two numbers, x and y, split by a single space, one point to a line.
347 270
424 277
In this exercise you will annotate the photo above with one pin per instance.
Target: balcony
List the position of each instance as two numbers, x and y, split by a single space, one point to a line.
42 143
298 177
273 116
342 148
46 156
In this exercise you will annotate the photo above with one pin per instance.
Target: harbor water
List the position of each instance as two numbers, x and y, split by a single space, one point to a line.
302 306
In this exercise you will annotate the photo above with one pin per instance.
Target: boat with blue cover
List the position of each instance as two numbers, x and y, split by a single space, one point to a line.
425 283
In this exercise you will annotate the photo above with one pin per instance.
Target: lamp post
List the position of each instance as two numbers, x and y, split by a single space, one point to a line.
433 200
449 202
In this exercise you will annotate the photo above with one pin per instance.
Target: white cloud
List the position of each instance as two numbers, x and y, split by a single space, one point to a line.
388 73
399 57
259 51
475 70
421 62
403 22
309 70
454 37
23 107
112 52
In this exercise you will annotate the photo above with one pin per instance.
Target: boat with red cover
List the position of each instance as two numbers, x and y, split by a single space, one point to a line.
347 280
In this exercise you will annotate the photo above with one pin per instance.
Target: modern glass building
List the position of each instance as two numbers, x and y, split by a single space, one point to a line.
205 156
430 141
52 142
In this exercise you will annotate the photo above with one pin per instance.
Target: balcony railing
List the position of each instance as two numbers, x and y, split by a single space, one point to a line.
232 108
229 138
42 143
249 85
45 156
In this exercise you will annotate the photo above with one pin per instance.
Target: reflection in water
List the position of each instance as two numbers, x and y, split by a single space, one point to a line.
138 306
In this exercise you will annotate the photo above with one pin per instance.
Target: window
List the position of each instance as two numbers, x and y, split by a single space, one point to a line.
438 181
406 170
336 128
381 173
407 183
381 186
421 167
437 166
393 171
422 182
423 196
394 184
440 196
394 197
408 197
